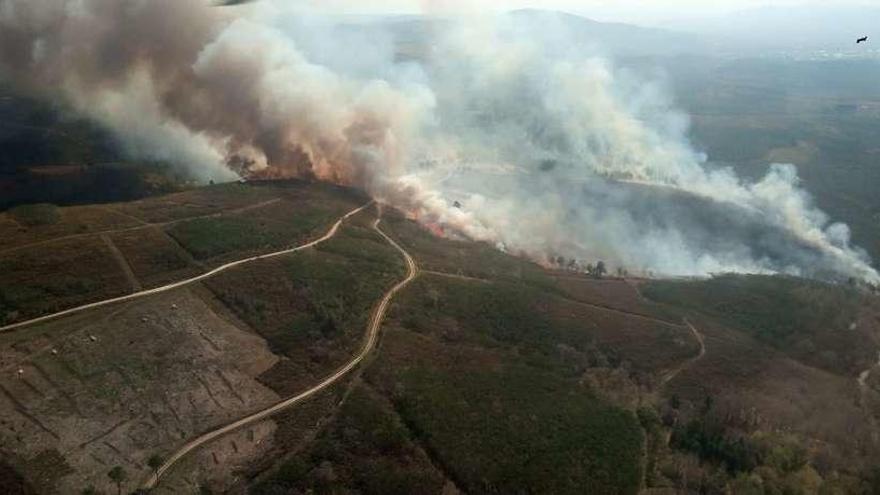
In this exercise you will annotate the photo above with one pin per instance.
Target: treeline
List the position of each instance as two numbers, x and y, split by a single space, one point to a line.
741 462
598 269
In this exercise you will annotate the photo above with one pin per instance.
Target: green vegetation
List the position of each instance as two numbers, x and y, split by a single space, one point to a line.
366 449
118 476
490 385
808 319
210 237
472 259
758 462
499 315
54 277
50 155
521 429
36 214
12 482
526 425
313 306
335 291
547 331
772 308
655 438
708 442
155 462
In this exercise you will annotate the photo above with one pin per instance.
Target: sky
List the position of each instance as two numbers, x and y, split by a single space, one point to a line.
637 11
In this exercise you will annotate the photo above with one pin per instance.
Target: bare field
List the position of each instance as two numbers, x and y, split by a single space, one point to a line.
114 390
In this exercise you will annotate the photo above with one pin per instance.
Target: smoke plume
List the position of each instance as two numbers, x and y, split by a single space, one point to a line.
499 128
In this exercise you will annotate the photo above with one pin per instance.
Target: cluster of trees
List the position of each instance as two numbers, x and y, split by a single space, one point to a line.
597 270
709 442
118 476
730 460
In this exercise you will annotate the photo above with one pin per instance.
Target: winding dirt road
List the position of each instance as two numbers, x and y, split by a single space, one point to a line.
370 343
674 372
136 295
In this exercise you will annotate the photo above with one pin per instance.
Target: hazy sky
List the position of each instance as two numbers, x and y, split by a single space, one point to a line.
645 11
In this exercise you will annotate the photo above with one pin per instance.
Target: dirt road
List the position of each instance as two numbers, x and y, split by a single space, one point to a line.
674 372
142 225
330 233
370 343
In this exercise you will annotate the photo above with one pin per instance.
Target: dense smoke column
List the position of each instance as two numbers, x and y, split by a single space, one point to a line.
597 164
233 90
550 151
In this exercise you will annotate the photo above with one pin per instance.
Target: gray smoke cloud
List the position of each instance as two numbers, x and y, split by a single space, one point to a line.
547 147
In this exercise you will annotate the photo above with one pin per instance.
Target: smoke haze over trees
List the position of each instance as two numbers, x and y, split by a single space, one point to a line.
548 147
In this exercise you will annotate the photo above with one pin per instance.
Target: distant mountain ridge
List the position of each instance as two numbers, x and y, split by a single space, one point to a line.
615 39
825 27
612 37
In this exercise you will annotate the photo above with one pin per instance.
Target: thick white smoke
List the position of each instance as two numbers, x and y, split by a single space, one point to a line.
550 150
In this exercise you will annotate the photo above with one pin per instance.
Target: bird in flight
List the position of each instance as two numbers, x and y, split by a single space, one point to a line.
860 40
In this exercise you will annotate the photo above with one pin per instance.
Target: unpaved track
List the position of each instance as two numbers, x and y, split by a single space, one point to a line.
143 225
673 373
136 295
122 263
370 343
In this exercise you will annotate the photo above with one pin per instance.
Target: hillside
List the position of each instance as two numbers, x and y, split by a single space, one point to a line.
50 155
413 34
491 374
831 28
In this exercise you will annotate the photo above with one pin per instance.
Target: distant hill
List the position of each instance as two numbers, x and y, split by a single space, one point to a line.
572 30
49 155
612 38
792 28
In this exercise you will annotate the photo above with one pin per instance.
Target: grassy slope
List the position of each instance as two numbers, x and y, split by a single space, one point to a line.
479 375
56 275
312 307
521 429
492 384
367 449
488 378
810 321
